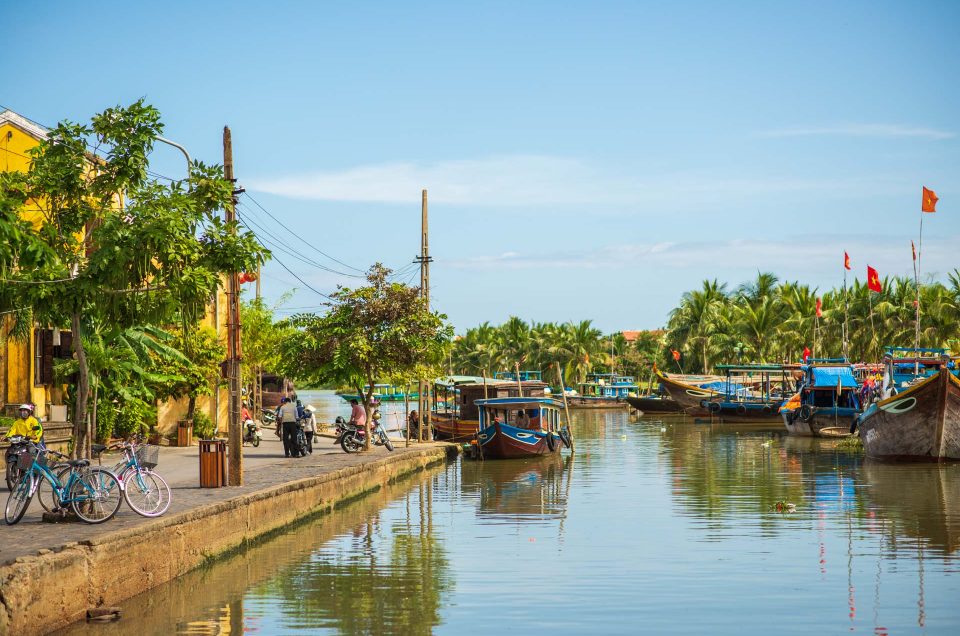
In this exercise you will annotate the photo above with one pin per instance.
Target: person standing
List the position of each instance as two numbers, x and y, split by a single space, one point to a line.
288 422
309 426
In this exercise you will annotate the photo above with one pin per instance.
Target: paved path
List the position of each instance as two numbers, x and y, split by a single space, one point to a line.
263 467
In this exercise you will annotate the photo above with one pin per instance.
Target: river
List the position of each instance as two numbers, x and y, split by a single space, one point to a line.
652 526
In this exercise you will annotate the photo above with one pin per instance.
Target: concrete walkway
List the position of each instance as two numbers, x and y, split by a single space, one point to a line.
264 467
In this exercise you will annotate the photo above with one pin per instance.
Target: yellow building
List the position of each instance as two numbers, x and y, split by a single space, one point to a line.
26 366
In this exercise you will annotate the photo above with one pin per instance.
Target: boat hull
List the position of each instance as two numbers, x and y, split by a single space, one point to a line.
586 402
822 423
688 397
654 405
452 429
501 441
746 412
919 424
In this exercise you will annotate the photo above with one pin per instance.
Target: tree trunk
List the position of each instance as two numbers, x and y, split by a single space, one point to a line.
365 398
191 407
80 424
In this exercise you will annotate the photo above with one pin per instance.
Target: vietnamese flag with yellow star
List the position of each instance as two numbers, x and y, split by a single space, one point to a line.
929 201
873 280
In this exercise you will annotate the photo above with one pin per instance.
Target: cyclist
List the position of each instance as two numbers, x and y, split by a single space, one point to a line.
27 425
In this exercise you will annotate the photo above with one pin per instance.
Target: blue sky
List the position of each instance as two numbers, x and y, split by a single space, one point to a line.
583 159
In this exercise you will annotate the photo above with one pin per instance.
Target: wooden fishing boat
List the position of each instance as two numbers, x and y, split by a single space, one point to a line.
919 424
752 393
382 393
827 403
456 417
512 428
603 391
689 394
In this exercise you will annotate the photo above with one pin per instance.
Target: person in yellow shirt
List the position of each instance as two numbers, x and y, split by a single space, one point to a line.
27 425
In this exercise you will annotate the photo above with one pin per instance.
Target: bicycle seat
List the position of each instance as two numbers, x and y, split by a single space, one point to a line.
78 463
97 448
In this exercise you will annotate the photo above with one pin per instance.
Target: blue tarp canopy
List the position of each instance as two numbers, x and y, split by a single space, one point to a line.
826 378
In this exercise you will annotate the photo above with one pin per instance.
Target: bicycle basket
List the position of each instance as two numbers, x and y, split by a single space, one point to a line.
26 458
148 455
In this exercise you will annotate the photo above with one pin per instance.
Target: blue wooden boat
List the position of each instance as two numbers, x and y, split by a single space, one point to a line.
751 393
827 403
514 427
383 393
524 376
603 391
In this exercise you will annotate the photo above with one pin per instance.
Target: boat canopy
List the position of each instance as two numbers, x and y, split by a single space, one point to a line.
749 368
518 403
827 377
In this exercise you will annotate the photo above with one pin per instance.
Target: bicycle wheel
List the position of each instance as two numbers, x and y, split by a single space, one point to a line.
45 494
19 500
146 492
95 495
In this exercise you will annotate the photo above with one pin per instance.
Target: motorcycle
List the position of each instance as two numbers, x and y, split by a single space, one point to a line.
251 433
351 437
18 445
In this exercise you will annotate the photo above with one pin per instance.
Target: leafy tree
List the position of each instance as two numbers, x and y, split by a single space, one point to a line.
112 248
380 331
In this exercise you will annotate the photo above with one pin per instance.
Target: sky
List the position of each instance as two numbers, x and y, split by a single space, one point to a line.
584 160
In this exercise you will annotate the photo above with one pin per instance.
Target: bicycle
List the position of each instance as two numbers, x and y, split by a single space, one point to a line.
93 493
145 491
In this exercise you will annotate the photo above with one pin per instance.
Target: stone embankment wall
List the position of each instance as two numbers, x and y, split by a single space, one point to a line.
39 594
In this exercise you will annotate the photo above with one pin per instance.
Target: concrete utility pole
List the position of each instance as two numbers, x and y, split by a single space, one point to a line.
424 260
234 434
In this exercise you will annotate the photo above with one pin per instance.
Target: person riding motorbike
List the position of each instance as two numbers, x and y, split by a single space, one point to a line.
26 425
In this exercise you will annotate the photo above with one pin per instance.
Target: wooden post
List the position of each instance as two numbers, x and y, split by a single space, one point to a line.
566 409
424 259
234 425
406 413
516 366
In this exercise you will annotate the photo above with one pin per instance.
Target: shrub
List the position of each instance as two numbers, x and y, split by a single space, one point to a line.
202 425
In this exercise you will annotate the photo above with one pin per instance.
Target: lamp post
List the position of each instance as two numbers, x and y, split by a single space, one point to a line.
180 148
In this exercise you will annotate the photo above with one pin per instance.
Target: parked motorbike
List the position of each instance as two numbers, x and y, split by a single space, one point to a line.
251 433
351 437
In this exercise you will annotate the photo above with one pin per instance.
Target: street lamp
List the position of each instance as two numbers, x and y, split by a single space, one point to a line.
180 148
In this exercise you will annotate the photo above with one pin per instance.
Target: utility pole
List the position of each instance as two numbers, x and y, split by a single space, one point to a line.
234 435
424 259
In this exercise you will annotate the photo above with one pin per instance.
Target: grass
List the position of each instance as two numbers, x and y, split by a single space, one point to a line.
850 444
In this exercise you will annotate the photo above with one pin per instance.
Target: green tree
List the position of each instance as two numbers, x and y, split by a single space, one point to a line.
380 331
114 248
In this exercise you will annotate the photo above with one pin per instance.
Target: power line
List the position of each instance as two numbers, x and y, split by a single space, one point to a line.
290 271
310 245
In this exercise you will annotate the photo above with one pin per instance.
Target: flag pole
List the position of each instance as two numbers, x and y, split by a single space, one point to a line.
916 279
846 324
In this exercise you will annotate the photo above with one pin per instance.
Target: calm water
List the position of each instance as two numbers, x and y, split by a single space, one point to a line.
653 526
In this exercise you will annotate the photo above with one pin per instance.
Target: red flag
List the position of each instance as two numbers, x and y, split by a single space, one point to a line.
914 250
873 280
846 260
676 354
806 353
819 308
929 201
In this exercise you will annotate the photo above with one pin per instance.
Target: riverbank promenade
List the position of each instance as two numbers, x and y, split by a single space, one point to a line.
95 565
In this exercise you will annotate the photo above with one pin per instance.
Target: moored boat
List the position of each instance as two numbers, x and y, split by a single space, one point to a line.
752 393
603 391
827 403
654 403
921 423
690 393
457 415
510 428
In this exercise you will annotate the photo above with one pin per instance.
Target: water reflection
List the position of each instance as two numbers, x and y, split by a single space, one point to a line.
532 491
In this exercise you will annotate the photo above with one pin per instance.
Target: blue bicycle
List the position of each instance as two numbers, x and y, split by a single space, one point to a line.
93 493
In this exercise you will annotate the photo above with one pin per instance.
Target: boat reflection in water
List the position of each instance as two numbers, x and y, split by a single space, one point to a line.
919 502
520 491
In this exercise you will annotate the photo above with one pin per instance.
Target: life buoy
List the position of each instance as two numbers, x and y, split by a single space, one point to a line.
806 412
767 409
564 437
551 443
741 409
714 407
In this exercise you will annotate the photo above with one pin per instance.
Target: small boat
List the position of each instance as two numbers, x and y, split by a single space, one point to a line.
456 415
383 393
510 428
920 423
752 393
827 403
689 392
603 391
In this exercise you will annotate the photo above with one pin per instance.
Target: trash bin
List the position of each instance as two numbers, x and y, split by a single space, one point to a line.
185 433
213 463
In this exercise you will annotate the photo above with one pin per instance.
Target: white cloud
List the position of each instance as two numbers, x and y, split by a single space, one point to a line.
805 257
530 180
861 130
